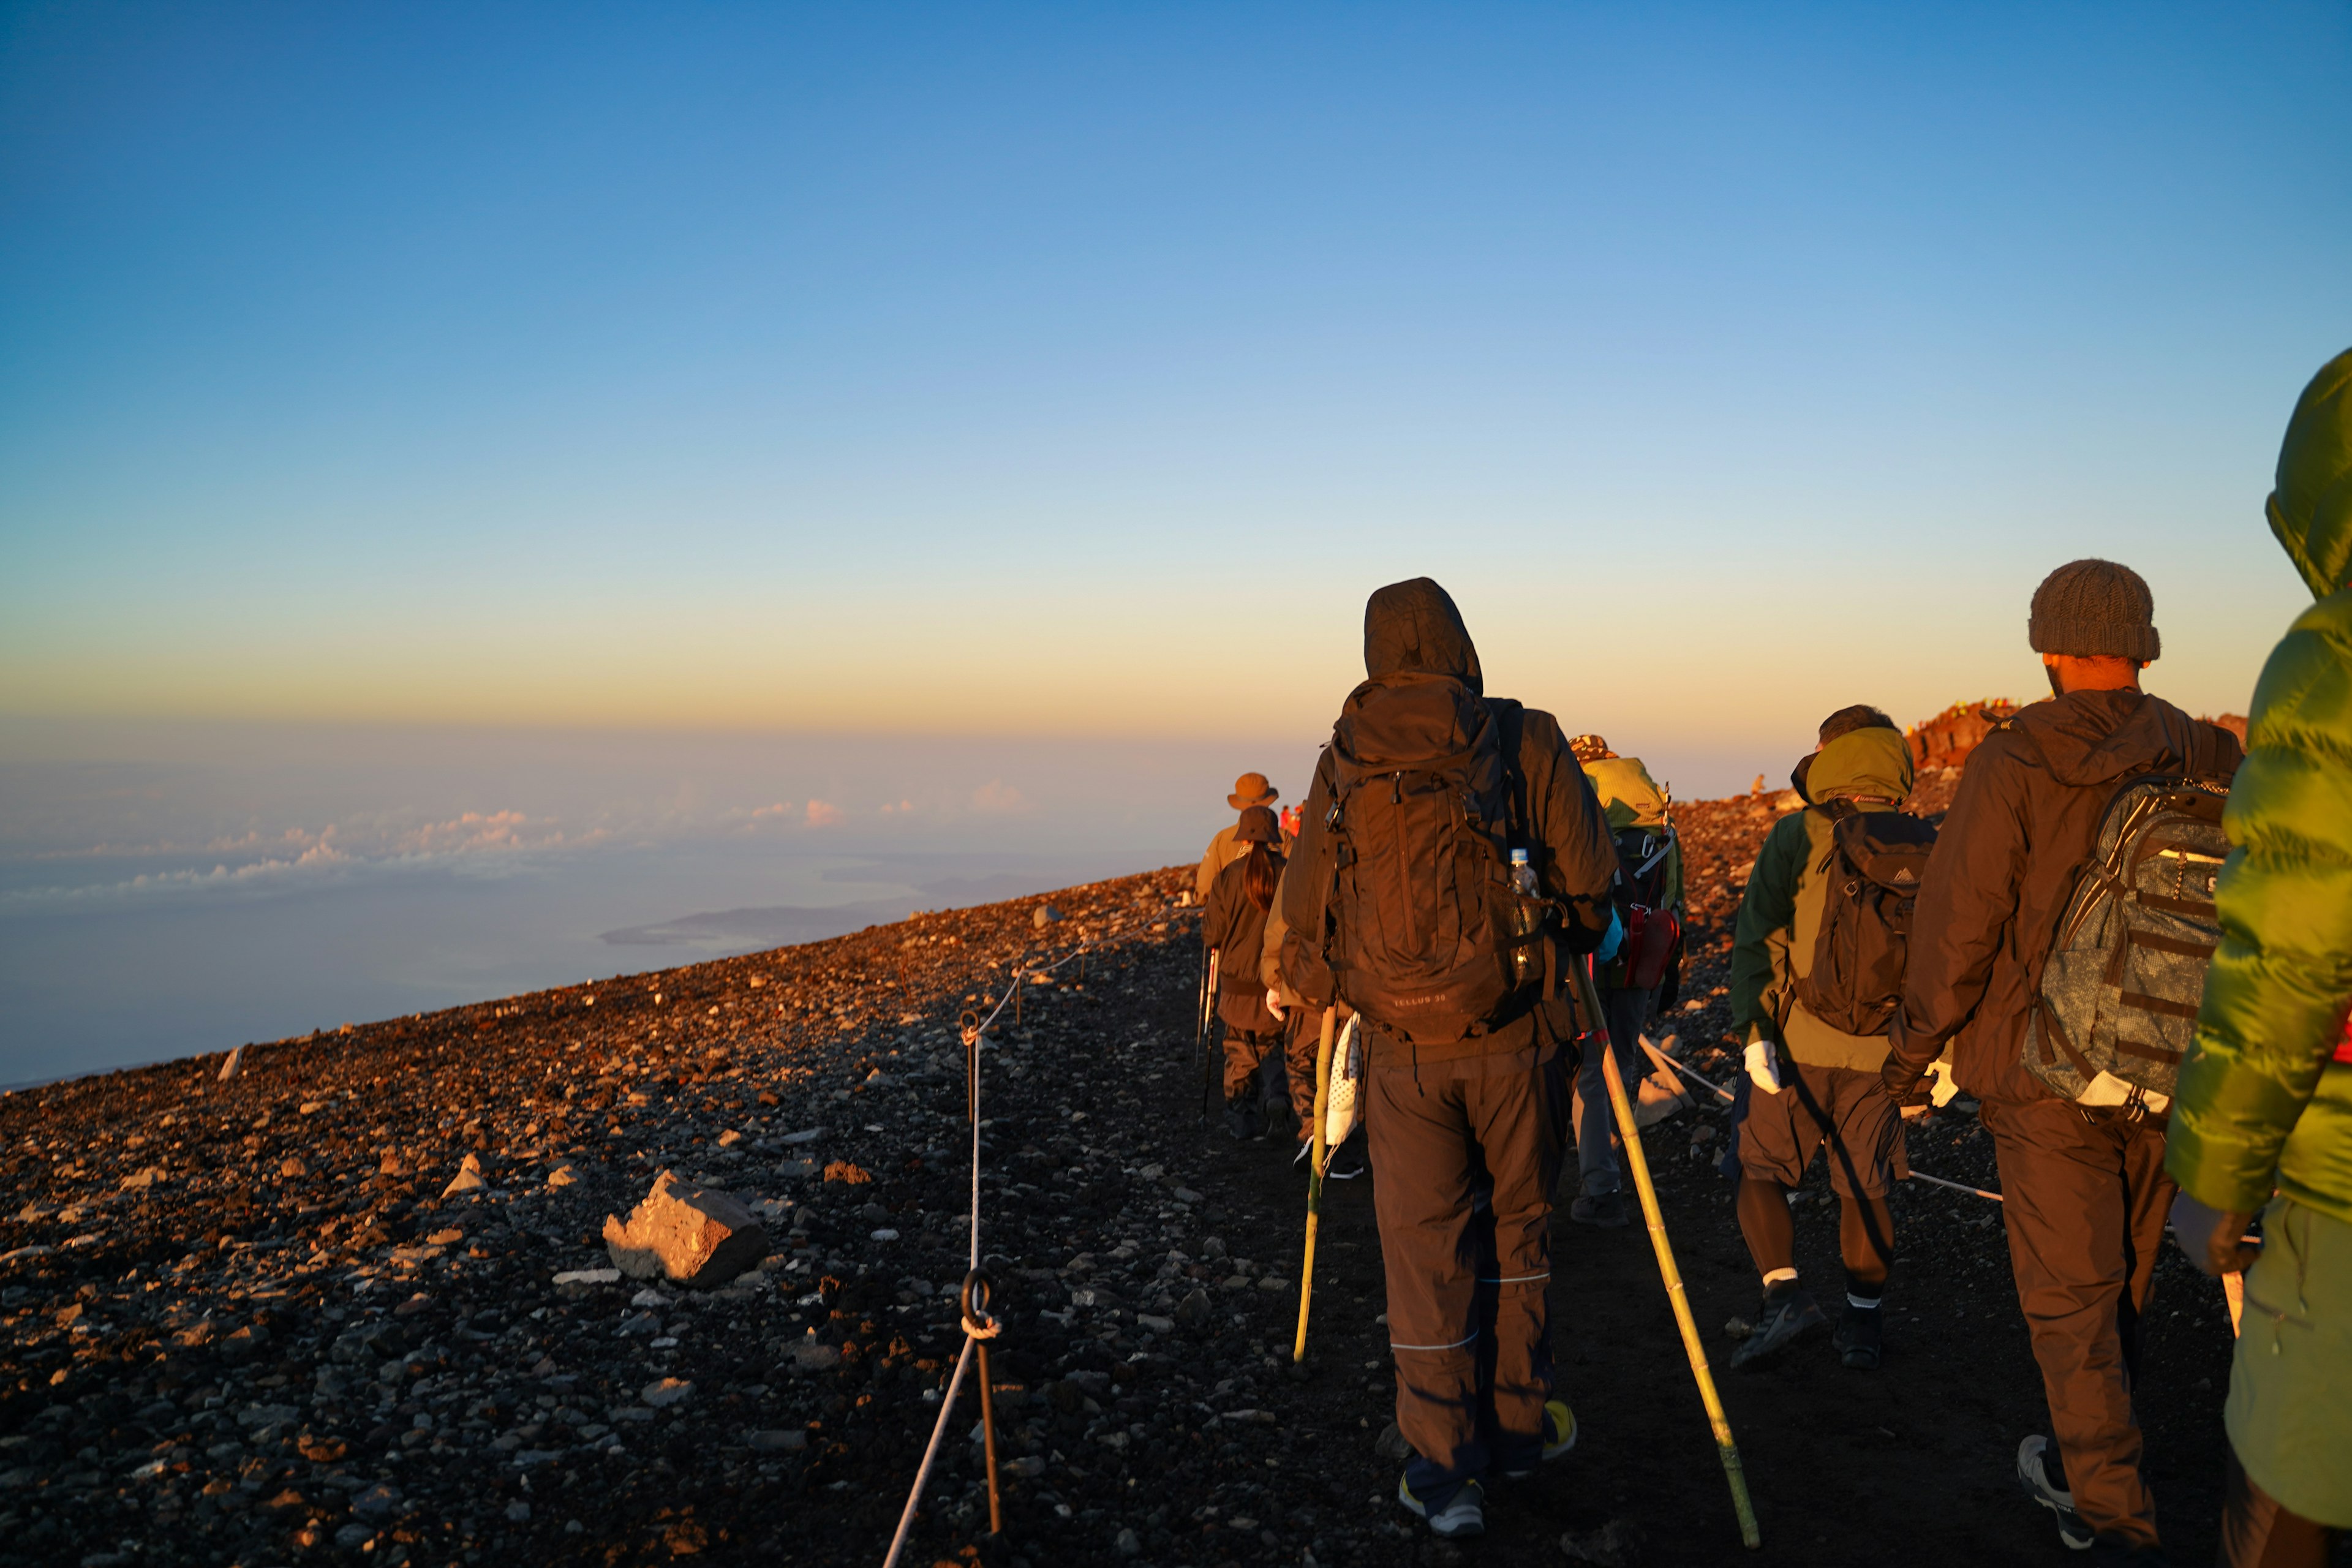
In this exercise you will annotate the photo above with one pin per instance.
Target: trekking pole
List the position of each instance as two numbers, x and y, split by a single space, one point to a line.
1208 1032
1724 1447
1314 1178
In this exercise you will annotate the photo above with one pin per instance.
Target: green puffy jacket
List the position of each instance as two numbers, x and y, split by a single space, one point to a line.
2262 1100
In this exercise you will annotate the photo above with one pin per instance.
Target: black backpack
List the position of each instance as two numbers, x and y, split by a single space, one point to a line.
1876 862
1641 854
1423 931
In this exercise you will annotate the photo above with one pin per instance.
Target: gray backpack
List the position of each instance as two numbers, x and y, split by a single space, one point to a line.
2117 1006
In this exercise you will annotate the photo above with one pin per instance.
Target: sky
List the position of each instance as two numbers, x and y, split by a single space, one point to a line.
1077 372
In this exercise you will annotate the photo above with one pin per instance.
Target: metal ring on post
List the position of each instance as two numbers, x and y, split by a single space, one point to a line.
977 1320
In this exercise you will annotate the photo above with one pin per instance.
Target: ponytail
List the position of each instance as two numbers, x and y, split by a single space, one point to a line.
1261 870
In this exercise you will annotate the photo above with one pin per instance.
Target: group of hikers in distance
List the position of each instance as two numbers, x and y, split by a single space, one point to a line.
2129 939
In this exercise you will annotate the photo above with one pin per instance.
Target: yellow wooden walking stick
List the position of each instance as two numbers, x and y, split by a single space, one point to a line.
1728 1450
1315 1179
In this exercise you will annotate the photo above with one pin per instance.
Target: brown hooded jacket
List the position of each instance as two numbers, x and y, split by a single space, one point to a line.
2023 824
1409 627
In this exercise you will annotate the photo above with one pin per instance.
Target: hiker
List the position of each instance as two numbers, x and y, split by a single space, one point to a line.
2083 1180
1226 846
1235 925
1402 901
1817 963
1642 980
2265 1097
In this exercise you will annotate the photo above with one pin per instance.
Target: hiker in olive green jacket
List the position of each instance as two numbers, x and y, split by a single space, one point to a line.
2265 1093
1811 1085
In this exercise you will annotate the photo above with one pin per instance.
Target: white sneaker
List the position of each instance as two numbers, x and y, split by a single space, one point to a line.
1465 1516
2033 1475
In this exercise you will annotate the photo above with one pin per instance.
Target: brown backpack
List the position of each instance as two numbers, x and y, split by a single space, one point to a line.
1423 931
1876 863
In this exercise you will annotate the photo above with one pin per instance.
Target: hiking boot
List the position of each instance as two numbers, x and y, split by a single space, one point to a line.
1278 1118
1857 1339
1345 1166
1560 1435
2033 1475
1599 1208
1465 1516
1787 1316
1242 1120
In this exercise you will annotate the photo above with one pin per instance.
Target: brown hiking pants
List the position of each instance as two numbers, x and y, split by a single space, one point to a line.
2086 1197
1246 1054
1463 1157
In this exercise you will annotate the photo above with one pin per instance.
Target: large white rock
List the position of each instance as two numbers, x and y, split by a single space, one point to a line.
698 1236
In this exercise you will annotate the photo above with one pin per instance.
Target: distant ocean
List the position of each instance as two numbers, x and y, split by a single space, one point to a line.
172 890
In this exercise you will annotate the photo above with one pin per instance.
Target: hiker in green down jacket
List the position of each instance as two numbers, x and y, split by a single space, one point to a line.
2265 1094
1811 1085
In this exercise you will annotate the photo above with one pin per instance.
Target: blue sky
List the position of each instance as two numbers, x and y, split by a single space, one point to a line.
1078 371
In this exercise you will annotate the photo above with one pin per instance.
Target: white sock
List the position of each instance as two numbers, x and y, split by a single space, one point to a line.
1863 1303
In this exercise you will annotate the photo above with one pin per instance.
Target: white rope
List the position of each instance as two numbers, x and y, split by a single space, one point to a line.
985 1326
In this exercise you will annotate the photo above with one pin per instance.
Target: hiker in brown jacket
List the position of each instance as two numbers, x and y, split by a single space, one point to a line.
1257 1046
2085 1186
1466 1117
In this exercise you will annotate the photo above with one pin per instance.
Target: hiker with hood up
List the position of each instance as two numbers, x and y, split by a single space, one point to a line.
1400 900
1641 980
1816 1039
1235 924
2084 1183
2265 1101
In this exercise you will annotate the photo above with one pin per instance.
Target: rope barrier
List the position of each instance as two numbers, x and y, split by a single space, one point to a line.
980 1325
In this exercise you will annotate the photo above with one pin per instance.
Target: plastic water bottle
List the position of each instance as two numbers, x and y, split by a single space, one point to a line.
1527 914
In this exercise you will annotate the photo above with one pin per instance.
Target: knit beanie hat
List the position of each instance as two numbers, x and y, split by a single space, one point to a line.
2090 608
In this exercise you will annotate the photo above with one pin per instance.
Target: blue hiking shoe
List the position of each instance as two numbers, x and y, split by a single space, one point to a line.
1465 1516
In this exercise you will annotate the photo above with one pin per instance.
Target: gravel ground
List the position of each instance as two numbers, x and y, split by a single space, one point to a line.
246 1322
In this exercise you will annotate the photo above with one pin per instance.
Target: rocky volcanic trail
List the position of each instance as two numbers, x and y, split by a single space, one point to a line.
247 1322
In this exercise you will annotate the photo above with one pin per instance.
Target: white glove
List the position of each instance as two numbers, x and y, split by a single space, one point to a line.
1763 1066
1274 1003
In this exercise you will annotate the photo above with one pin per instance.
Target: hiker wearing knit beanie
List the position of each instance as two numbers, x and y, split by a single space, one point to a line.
2094 609
2084 1239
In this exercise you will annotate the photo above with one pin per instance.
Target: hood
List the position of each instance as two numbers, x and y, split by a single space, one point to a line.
1413 626
2311 510
1632 797
2105 737
1875 762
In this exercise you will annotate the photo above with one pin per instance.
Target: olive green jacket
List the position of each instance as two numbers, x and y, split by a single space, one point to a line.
2262 1100
1780 915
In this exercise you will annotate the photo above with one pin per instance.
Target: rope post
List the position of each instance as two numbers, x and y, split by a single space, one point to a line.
1725 1449
970 1026
1315 1162
983 1329
1016 995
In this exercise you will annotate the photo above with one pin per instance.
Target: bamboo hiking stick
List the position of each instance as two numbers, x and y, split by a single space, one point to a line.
1209 1033
1315 1177
1724 1447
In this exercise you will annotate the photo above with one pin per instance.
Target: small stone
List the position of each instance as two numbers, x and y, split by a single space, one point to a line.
1046 915
810 1355
1127 1544
785 1442
1157 1325
805 1135
698 1236
665 1393
843 1171
589 1277
351 1537
467 1179
292 1165
1391 1445
1194 1310
378 1502
884 1234
245 1342
519 1512
1739 1328
562 1175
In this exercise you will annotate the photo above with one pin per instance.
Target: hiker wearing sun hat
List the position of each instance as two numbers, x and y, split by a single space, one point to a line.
1249 790
2083 1171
